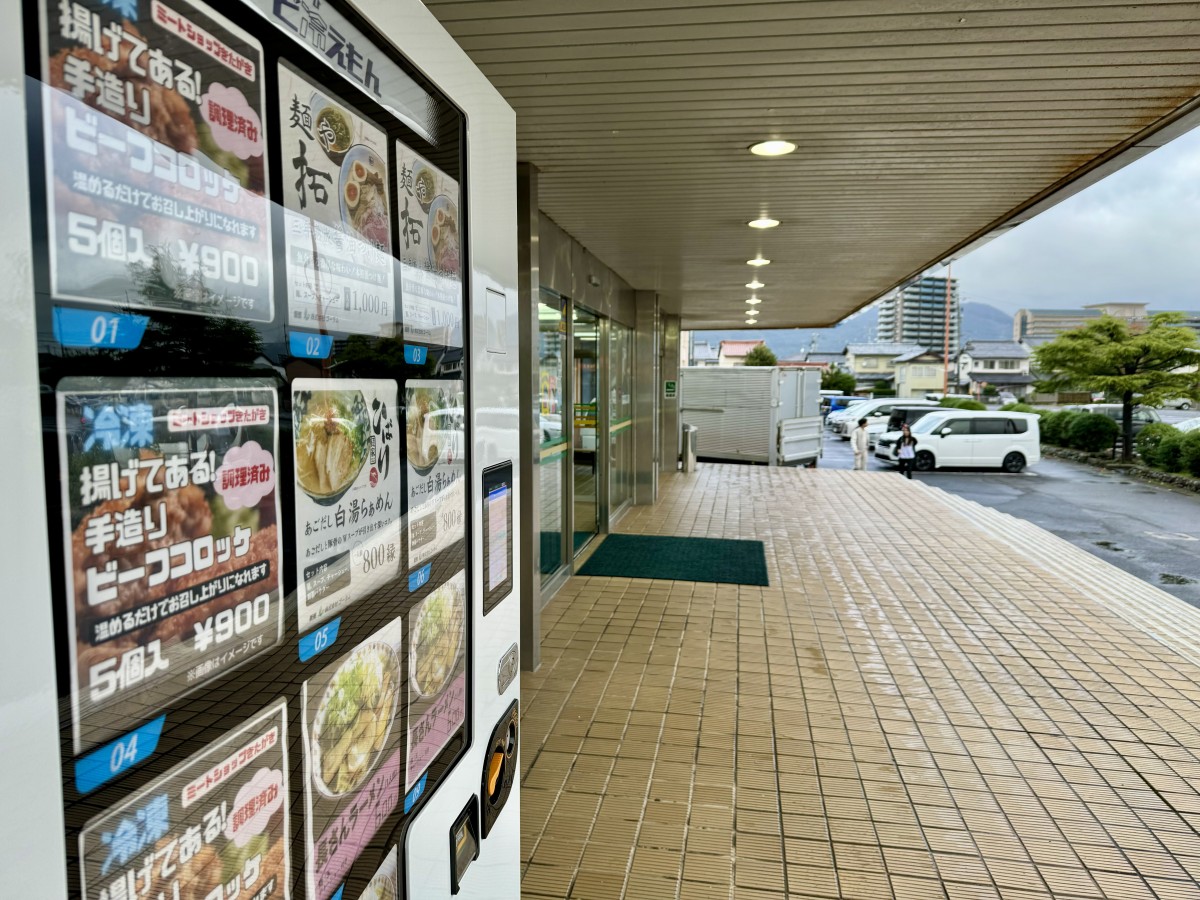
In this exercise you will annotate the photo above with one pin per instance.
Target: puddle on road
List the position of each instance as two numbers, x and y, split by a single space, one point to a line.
1109 545
1175 579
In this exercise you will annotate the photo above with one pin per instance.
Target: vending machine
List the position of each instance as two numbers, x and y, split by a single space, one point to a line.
261 595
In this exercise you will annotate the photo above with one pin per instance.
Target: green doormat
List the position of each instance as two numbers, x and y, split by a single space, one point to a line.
679 559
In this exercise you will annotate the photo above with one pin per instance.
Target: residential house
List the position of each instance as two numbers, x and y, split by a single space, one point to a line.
872 363
733 353
919 372
1003 365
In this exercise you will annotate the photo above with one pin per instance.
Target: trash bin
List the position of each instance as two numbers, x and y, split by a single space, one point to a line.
688 455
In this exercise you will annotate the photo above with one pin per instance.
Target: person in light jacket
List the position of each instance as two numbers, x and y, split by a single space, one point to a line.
858 440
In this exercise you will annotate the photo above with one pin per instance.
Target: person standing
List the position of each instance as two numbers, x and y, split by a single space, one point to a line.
906 450
859 441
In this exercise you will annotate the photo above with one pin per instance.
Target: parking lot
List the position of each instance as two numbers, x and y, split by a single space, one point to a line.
1149 531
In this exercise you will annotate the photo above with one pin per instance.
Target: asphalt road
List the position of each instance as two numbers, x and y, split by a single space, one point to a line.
1149 531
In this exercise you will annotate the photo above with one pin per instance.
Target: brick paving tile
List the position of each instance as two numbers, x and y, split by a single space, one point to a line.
929 700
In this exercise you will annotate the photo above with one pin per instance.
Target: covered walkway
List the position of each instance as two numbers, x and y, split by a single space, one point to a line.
930 700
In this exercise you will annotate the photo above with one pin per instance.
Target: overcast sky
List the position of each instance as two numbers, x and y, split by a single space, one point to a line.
1133 236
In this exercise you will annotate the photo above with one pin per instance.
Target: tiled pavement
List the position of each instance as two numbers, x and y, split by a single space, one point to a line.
929 701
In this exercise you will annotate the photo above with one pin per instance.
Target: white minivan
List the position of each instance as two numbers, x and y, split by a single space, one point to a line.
1004 440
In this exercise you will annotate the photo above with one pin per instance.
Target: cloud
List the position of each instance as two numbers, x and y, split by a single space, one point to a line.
1134 236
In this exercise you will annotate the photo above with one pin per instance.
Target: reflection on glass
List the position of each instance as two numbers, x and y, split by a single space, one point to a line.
620 414
586 389
551 348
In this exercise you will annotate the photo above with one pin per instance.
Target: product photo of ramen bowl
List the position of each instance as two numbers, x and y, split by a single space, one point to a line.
355 716
332 438
332 127
437 639
424 185
363 189
433 427
443 243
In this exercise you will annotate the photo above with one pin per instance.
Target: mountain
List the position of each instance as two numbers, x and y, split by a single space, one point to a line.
981 322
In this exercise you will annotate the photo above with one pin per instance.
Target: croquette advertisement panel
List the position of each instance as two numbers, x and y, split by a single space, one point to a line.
249 243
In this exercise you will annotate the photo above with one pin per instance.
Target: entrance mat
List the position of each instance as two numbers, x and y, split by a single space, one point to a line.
679 559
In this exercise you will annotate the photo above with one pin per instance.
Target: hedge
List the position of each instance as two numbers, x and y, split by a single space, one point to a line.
1189 454
1149 442
1023 408
1092 432
954 403
1054 426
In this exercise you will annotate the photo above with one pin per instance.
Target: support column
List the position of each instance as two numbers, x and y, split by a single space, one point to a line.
646 390
669 416
528 285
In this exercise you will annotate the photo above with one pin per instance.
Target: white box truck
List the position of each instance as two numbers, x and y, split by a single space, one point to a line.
757 414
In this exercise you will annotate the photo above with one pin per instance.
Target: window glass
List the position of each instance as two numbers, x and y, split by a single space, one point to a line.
1017 426
990 426
956 426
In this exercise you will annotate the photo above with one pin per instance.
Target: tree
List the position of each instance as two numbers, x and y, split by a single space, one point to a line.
834 380
1109 356
760 356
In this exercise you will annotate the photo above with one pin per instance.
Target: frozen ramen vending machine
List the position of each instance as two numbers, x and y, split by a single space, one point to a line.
260 601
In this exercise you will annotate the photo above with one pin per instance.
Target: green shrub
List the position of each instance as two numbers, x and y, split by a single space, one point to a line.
1150 439
955 403
1054 427
1189 454
1092 432
1170 452
1021 407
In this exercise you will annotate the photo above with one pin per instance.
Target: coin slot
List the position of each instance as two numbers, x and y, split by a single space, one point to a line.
499 768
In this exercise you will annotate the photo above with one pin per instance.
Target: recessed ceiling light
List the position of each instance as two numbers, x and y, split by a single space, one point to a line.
755 285
752 321
772 148
754 301
758 261
764 222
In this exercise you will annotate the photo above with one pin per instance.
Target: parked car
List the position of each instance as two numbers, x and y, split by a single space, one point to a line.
1188 425
1177 403
847 420
1006 397
1005 440
937 397
840 405
898 416
1142 415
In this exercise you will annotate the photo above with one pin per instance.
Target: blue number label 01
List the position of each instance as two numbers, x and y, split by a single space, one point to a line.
86 328
306 345
106 763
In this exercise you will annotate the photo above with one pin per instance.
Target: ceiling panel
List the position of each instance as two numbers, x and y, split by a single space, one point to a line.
921 125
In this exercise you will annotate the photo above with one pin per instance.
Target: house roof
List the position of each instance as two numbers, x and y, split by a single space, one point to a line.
1001 378
882 349
996 350
917 354
739 348
825 357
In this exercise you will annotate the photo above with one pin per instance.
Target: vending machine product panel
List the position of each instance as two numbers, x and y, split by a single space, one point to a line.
243 257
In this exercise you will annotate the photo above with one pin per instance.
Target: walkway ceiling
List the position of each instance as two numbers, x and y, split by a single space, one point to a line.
923 127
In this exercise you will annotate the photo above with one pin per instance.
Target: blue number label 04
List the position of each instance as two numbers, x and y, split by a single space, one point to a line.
116 757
